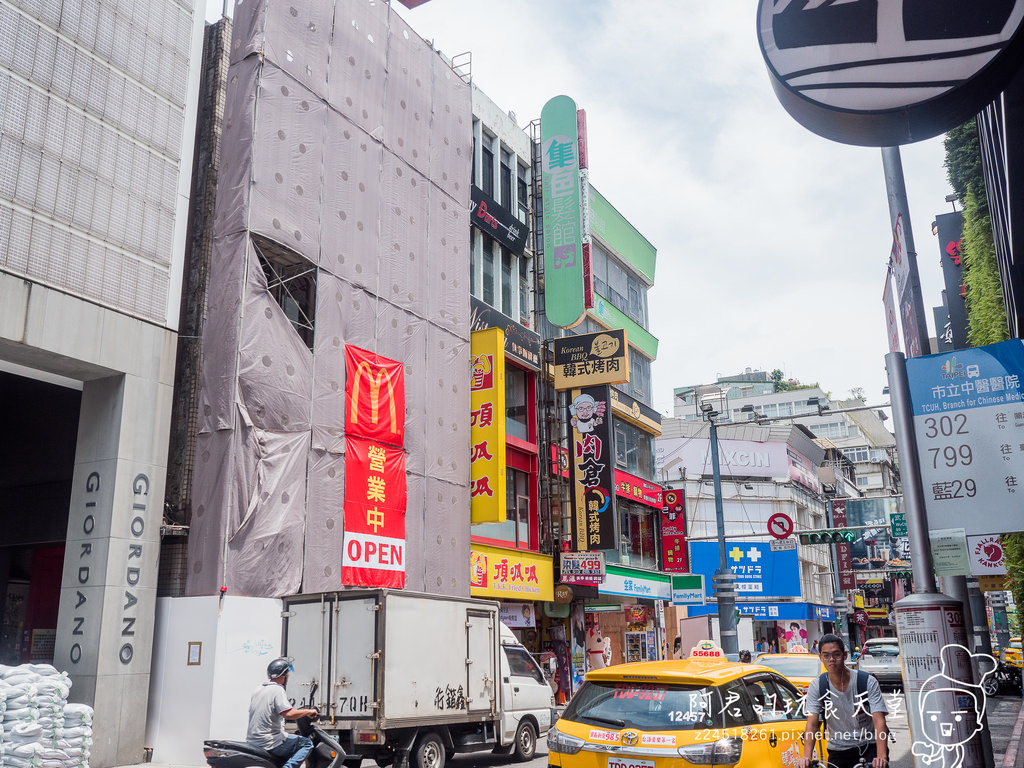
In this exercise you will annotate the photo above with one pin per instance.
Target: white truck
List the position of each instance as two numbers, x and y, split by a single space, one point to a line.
408 678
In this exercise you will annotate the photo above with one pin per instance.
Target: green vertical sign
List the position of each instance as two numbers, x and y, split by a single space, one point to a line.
563 213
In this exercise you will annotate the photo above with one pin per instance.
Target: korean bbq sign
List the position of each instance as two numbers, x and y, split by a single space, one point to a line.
375 491
593 500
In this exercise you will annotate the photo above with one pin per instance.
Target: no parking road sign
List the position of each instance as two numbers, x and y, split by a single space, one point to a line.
780 525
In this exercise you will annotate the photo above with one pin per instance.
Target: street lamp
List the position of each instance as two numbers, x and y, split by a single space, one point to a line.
724 579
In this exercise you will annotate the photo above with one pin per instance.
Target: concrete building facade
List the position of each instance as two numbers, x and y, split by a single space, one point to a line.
97 113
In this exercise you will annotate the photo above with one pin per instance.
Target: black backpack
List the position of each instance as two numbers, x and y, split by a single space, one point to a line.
823 688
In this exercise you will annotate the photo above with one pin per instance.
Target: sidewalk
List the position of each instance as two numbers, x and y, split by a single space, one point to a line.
1006 722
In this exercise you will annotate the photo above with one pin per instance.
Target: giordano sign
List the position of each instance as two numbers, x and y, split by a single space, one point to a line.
888 72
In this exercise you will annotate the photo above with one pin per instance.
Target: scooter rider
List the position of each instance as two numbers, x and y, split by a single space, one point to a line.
268 710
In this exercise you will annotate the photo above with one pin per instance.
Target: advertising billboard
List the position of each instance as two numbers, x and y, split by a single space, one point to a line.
737 458
591 459
759 571
875 548
562 201
673 531
950 237
487 426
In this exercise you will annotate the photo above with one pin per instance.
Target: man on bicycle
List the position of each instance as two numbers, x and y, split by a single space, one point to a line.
853 711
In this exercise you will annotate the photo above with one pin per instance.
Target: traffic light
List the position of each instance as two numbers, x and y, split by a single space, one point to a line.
832 536
901 574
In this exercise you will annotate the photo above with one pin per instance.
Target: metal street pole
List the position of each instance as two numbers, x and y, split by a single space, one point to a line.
725 579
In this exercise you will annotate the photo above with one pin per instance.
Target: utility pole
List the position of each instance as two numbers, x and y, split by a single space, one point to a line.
724 580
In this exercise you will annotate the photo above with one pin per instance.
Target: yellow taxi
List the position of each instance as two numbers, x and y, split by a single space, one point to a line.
1012 654
704 710
798 668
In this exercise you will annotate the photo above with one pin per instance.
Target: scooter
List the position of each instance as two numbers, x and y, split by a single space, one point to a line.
1003 676
326 752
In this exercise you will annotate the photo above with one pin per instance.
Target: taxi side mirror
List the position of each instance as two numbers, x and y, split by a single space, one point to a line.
677 645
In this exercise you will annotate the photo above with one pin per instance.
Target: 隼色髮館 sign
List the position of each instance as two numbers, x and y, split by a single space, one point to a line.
590 461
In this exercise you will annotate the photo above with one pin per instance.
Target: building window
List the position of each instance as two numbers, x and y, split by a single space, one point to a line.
522 190
488 291
636 536
636 309
634 450
506 181
506 282
291 280
517 515
524 291
487 161
637 378
517 411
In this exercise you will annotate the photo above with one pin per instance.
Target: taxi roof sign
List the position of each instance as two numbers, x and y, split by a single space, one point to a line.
706 649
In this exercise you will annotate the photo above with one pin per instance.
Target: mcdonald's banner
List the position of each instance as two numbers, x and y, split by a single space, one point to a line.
375 503
592 486
487 426
374 397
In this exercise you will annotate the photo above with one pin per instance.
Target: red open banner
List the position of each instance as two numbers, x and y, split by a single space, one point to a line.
375 501
374 397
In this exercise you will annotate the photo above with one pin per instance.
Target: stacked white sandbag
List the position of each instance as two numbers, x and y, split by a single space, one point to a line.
18 745
76 742
52 688
33 726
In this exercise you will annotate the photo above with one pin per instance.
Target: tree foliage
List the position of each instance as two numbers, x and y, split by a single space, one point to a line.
779 380
1013 548
986 313
963 162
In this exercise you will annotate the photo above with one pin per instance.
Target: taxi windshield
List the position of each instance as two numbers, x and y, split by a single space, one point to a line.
1015 643
787 666
645 706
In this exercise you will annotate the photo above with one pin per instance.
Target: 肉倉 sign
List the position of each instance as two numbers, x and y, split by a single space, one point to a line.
487 426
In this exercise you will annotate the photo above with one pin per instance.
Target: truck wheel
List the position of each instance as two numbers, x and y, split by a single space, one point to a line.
429 752
525 743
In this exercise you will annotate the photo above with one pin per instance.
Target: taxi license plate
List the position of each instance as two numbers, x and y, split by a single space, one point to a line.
628 762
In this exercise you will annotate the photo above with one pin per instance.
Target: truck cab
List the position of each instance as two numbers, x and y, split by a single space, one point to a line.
527 699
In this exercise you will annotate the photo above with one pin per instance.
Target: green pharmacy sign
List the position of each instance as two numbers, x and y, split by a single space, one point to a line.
563 213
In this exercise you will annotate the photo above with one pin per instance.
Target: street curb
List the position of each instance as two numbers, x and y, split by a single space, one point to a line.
1013 748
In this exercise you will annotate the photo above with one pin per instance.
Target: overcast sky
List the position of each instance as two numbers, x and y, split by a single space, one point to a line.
772 242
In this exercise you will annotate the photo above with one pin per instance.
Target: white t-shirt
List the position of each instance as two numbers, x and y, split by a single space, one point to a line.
848 718
266 723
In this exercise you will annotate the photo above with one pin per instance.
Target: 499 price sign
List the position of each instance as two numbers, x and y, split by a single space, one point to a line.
969 419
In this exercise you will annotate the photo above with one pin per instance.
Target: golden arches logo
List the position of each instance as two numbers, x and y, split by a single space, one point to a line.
375 382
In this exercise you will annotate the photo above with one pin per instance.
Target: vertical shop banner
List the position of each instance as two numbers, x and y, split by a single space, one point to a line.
563 213
591 457
891 328
950 236
943 329
374 397
375 501
673 532
487 426
876 548
899 263
847 580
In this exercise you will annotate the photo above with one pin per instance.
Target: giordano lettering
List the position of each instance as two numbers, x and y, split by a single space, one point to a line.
92 487
375 381
133 572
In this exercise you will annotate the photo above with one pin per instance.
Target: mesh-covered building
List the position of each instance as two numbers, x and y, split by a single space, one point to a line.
341 219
